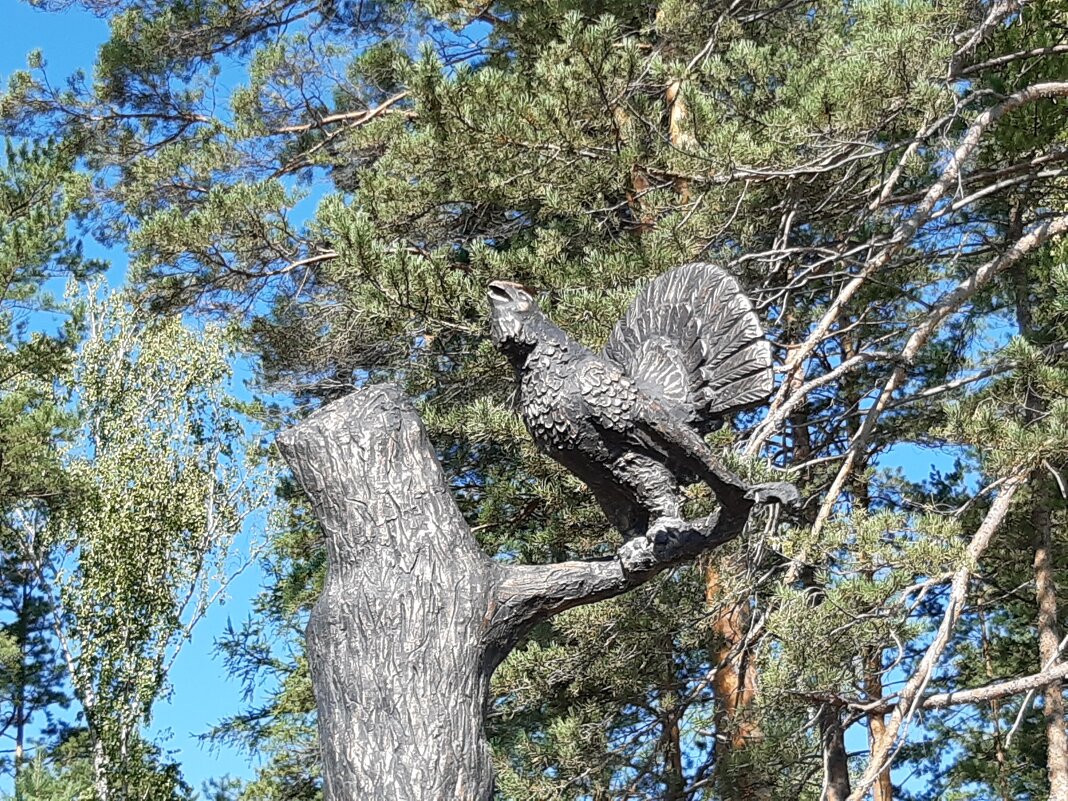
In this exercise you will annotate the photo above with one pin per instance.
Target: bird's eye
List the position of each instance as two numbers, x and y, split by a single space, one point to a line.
498 293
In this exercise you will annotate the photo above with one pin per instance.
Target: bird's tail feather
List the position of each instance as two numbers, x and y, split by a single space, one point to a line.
691 335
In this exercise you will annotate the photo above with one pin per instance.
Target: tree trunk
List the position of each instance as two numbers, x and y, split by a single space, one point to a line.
883 789
23 637
675 778
871 659
671 732
1049 651
835 758
1045 589
414 618
734 687
396 640
100 771
995 712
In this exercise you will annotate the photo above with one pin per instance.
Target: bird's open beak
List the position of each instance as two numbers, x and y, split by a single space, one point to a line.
498 293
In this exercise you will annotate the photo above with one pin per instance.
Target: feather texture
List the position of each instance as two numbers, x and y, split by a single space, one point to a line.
691 337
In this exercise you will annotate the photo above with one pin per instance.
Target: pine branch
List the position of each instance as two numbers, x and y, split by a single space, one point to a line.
352 119
948 305
906 230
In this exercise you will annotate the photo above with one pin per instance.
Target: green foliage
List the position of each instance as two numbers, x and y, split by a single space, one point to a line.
162 477
123 479
40 781
582 147
41 196
67 774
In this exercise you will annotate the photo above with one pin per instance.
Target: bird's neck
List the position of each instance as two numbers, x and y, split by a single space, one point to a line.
534 332
552 345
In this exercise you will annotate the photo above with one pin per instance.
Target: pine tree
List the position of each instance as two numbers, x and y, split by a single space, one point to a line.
40 197
878 174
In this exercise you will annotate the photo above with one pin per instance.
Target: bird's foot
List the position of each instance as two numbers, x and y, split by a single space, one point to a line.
664 527
639 553
780 492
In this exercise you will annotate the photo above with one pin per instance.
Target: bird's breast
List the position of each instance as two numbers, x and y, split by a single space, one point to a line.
551 407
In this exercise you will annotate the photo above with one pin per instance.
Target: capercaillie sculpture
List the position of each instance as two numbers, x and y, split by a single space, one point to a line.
414 617
628 421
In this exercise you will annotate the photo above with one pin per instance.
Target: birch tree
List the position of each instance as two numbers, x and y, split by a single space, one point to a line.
880 175
163 476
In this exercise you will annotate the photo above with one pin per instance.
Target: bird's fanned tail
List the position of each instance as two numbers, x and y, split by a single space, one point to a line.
691 337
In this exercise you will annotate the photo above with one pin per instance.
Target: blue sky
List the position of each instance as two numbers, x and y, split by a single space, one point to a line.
202 692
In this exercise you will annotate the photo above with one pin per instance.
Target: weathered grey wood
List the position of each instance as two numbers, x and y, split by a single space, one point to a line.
414 618
525 595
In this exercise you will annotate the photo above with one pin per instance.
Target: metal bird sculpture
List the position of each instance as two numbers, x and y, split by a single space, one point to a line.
628 422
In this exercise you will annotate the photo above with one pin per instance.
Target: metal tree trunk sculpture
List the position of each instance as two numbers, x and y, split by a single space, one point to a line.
414 617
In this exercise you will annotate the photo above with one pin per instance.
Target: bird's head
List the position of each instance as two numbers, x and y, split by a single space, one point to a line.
512 311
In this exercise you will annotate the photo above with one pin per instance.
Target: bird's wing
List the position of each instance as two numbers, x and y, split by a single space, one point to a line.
610 396
691 337
620 407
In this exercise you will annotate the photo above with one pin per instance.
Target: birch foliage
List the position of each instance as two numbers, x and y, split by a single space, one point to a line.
165 474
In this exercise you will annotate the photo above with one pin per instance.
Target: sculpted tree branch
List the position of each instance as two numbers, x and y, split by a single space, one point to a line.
414 617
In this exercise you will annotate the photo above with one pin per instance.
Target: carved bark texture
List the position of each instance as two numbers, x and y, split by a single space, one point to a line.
395 641
414 618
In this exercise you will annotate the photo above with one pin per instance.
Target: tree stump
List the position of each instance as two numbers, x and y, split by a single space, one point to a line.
414 617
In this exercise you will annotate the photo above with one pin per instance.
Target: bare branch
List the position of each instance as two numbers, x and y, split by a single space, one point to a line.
949 304
353 118
1036 52
907 228
909 699
970 39
946 700
773 421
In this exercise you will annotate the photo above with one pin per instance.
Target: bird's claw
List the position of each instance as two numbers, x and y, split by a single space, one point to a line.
637 555
780 492
640 553
663 526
